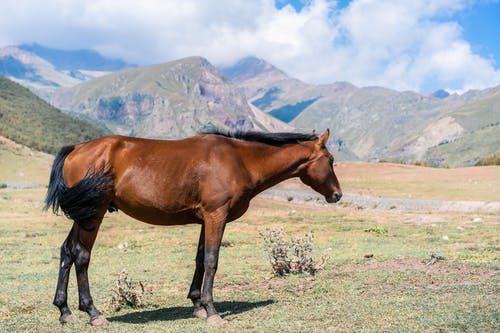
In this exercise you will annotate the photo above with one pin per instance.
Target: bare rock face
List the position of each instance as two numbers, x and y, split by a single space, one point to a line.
170 100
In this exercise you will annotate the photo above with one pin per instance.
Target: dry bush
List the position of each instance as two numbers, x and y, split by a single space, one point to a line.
127 293
489 160
290 257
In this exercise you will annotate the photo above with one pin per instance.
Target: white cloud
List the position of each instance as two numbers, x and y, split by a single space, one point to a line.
399 44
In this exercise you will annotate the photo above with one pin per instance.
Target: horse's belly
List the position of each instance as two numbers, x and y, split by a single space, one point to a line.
157 216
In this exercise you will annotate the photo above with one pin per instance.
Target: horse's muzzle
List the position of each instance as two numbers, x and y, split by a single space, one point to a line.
334 197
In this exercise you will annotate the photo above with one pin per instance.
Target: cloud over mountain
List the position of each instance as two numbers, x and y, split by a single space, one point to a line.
414 45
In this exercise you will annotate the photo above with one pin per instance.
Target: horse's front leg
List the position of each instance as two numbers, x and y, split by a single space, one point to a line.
214 229
195 290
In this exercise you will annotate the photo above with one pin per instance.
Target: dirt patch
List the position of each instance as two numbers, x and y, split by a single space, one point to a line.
410 272
427 219
437 274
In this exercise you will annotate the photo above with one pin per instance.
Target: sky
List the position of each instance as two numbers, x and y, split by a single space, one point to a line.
420 45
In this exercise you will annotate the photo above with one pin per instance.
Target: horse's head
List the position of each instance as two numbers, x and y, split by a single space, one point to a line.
318 171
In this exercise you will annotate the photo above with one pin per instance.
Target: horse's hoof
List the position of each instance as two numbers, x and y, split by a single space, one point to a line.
215 320
68 318
200 313
99 321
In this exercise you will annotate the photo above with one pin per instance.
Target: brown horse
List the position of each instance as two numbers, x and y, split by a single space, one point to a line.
207 179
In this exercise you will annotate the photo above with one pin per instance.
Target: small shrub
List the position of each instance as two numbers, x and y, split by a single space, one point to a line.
377 230
290 257
435 257
127 293
490 160
423 163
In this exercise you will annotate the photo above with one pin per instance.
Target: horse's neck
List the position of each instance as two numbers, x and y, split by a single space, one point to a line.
272 165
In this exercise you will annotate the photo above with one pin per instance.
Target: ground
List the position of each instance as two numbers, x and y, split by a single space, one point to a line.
395 289
380 274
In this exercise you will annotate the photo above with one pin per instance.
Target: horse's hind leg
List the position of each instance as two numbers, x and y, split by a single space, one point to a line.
195 290
81 251
61 297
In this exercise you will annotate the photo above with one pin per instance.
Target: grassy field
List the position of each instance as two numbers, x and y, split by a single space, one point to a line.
393 291
19 163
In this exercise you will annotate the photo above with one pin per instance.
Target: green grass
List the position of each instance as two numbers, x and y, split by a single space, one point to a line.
20 163
393 291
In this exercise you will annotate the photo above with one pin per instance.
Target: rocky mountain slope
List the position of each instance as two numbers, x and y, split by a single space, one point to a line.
376 122
169 100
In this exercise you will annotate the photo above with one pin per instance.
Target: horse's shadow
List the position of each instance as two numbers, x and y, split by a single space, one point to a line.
184 312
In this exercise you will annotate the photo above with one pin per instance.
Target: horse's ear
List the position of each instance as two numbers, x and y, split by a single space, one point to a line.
314 132
324 138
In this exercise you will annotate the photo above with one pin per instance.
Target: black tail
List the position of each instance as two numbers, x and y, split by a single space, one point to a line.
57 185
81 201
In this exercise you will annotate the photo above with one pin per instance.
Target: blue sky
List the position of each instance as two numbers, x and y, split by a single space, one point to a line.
481 27
420 45
480 23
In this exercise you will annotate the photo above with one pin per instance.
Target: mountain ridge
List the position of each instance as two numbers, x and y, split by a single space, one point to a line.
168 100
372 122
82 59
44 70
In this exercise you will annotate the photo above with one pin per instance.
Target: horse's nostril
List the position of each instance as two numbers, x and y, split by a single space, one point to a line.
338 195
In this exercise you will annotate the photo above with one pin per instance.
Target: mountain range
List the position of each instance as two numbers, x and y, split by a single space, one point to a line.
170 100
379 123
45 70
177 98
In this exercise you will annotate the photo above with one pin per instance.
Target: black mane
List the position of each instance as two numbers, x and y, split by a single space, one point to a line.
262 137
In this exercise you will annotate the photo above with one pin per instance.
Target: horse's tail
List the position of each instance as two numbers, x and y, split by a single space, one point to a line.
57 185
81 201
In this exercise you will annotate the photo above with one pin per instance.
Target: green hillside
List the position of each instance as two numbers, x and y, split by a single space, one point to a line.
481 120
467 150
28 120
481 113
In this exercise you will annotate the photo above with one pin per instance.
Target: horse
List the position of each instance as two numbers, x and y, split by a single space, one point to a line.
208 179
